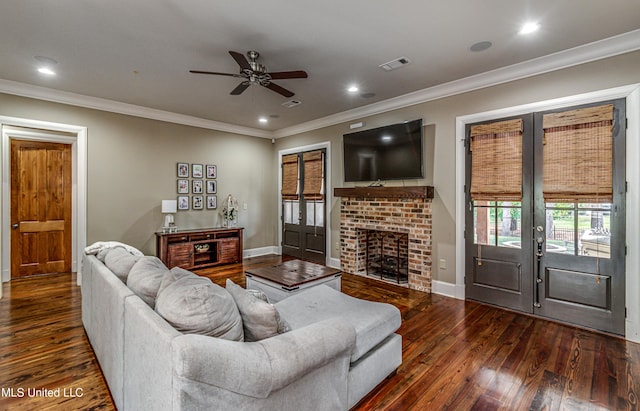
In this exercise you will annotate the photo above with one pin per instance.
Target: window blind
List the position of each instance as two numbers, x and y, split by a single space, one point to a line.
577 164
290 176
496 161
313 175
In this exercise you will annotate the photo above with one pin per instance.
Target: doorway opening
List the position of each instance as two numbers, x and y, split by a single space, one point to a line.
35 130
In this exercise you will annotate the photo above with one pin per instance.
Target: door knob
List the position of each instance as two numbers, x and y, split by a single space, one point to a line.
14 226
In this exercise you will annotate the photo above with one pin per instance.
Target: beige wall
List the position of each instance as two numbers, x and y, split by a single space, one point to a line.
131 167
440 148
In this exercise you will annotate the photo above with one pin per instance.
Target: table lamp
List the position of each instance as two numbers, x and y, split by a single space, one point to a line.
168 208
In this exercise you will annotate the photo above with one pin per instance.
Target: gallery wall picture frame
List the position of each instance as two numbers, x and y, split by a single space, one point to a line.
183 170
183 186
196 170
212 186
183 202
197 202
212 171
212 202
196 187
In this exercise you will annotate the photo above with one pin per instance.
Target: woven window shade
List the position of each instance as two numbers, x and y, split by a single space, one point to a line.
290 177
578 156
496 161
313 175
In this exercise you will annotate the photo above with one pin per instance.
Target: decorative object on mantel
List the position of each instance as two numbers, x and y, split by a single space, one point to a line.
385 192
168 208
230 212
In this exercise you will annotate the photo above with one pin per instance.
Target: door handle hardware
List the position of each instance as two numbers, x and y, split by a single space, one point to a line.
14 226
537 305
539 280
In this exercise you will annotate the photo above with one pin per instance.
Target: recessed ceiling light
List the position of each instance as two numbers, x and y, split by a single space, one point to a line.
263 120
47 71
353 89
530 27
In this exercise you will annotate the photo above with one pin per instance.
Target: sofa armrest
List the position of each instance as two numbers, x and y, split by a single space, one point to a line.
257 368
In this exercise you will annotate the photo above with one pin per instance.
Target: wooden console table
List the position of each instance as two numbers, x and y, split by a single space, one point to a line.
200 248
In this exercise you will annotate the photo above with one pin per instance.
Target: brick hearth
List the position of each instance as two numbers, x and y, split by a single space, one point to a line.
400 215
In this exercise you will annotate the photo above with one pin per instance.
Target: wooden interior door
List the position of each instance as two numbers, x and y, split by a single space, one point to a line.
40 208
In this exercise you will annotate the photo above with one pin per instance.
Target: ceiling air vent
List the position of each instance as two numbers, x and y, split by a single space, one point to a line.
291 103
394 64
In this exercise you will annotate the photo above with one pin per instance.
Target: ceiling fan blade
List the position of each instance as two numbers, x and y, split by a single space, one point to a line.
279 90
288 74
240 88
241 60
214 72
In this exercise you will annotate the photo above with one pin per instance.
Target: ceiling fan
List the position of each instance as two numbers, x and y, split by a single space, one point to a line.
256 73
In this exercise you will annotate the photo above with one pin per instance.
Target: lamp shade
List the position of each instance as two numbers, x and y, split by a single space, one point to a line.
169 206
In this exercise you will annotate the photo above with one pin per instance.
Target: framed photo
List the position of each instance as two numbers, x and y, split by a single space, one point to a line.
183 169
212 202
196 187
197 202
183 186
211 171
196 170
183 202
212 186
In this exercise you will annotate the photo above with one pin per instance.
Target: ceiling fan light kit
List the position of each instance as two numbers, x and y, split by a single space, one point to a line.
256 73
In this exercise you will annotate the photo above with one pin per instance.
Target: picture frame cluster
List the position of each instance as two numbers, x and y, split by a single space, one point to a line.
199 180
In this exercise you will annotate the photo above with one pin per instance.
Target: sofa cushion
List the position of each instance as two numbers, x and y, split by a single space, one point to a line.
195 305
145 277
373 321
260 319
120 262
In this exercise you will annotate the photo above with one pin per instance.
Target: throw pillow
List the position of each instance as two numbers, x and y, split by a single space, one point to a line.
145 277
193 304
260 319
174 275
120 261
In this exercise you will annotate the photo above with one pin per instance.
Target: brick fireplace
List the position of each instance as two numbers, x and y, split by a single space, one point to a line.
391 211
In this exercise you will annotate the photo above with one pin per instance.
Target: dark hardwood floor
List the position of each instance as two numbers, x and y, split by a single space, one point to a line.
457 355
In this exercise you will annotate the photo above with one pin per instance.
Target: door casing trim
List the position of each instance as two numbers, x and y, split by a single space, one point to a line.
632 95
79 182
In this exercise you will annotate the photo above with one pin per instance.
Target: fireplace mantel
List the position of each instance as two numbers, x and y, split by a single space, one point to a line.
384 192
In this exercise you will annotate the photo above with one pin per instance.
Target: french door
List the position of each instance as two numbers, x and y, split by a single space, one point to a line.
545 222
303 205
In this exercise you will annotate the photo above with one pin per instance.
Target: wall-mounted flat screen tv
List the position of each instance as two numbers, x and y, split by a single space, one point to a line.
392 152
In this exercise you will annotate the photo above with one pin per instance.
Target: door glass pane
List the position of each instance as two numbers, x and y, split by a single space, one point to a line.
594 224
315 213
509 225
578 229
497 223
484 223
291 211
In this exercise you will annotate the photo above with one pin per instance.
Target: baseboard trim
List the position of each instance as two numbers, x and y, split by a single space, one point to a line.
255 252
447 289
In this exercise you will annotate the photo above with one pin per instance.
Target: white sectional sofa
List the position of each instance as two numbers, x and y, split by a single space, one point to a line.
337 350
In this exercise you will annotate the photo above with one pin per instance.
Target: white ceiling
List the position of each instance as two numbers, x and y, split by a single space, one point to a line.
140 51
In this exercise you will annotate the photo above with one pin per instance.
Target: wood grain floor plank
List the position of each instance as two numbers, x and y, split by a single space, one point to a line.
457 355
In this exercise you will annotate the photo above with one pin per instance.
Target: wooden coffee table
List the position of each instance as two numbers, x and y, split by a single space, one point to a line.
283 280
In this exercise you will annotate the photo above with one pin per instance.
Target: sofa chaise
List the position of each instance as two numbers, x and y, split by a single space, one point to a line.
333 351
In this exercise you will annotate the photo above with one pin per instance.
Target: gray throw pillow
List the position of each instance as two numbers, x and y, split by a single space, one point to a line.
120 262
145 277
174 275
260 319
195 305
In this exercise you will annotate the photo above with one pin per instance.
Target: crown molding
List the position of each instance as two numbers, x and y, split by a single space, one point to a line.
609 47
64 97
612 46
